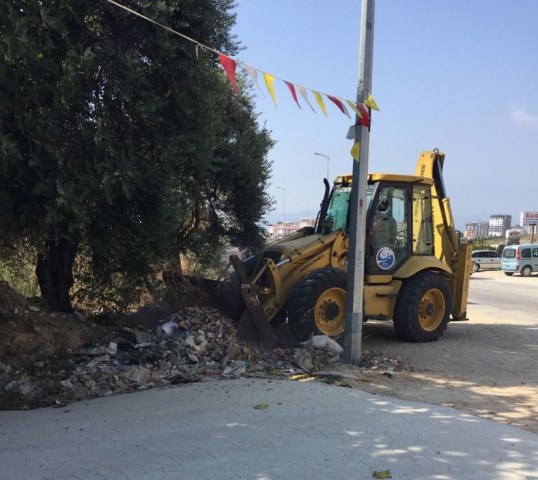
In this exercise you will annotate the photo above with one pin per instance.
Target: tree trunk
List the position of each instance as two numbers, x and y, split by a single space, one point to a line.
54 272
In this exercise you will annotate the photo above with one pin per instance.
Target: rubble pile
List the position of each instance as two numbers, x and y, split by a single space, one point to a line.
195 344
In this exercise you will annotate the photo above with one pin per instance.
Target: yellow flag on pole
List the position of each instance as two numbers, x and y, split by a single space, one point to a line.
269 83
370 102
356 151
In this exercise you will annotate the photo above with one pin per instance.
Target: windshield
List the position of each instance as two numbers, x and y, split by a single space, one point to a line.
337 212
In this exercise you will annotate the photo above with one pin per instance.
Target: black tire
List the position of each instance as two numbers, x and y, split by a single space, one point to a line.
423 308
526 271
476 267
509 274
317 304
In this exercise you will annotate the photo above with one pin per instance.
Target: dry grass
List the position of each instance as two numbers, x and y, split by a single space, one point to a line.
29 336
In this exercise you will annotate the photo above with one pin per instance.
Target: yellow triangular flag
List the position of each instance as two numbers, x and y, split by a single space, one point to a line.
371 102
269 81
318 98
356 151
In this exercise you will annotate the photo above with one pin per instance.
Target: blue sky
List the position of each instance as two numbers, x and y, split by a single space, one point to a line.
458 75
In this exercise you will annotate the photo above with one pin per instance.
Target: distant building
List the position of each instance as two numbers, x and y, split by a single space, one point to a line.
498 224
527 219
476 230
280 229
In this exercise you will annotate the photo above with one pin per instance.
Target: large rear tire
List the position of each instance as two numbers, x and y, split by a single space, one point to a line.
317 304
423 308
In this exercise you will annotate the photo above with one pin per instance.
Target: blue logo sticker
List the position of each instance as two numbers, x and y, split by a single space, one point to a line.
385 258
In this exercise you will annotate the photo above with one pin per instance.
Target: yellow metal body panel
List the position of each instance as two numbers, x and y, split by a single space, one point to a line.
391 177
460 291
299 257
416 264
379 300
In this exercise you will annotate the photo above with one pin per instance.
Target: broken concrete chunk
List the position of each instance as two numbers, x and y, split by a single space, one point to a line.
193 357
112 348
135 373
24 388
167 329
326 343
235 369
190 342
97 360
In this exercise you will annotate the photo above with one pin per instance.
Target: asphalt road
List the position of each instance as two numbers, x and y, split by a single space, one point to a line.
498 345
504 298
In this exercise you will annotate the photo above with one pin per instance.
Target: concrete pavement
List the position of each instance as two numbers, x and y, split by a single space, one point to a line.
212 430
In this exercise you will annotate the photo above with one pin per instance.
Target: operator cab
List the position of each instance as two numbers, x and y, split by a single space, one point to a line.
399 221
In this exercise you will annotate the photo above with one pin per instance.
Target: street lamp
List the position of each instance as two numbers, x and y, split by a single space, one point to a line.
328 158
283 203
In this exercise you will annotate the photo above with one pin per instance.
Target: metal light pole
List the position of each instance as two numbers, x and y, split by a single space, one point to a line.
284 202
328 158
357 227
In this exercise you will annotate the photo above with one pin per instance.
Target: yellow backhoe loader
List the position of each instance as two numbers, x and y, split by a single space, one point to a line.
417 267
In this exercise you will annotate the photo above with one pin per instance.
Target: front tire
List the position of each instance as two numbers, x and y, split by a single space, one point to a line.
423 308
317 304
476 267
526 271
509 274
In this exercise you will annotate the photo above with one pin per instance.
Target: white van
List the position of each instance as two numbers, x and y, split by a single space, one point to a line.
522 259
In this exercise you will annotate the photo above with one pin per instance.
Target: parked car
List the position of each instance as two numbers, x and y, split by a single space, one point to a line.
486 259
522 259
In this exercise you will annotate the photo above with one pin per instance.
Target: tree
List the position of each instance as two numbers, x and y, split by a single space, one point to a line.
130 144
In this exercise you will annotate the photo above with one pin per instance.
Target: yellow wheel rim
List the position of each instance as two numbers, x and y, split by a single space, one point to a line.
431 310
329 311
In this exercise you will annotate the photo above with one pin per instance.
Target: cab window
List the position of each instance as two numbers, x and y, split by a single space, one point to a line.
422 221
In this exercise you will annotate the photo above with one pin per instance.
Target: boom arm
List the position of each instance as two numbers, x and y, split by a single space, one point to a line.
448 247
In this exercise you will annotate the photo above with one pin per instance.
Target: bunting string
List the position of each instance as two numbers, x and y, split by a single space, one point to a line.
361 109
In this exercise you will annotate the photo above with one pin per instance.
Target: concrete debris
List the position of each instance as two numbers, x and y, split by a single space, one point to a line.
167 329
22 388
136 374
192 345
235 369
66 384
326 343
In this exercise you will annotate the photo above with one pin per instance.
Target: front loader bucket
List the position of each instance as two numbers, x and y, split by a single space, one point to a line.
253 326
239 302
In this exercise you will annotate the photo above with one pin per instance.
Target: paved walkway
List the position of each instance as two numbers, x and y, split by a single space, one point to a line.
213 431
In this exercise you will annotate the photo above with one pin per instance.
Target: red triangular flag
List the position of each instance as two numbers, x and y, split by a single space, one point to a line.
229 65
338 103
293 93
364 118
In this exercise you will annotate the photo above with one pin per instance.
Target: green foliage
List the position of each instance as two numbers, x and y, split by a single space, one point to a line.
17 264
125 139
